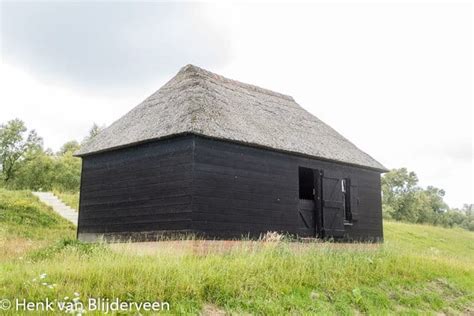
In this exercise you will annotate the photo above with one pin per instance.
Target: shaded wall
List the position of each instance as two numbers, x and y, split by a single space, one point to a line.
145 188
241 189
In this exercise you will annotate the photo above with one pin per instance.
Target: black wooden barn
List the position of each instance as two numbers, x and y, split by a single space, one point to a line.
224 159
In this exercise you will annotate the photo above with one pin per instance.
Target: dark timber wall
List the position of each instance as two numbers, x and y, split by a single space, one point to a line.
240 190
215 188
146 188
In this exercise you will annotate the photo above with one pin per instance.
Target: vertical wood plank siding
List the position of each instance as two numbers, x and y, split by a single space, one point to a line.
215 188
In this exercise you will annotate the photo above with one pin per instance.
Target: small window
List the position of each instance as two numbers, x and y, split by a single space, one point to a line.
306 180
346 199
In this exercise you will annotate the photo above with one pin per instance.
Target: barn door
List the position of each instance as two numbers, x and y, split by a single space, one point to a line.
309 208
332 206
317 202
307 217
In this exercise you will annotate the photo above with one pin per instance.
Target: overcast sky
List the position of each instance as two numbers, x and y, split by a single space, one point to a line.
396 79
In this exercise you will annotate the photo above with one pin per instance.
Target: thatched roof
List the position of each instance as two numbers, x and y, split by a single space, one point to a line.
200 102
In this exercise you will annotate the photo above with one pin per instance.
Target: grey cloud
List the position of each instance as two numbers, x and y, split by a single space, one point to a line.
458 150
109 44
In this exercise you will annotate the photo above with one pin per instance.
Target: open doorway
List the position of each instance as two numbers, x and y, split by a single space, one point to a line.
309 208
306 181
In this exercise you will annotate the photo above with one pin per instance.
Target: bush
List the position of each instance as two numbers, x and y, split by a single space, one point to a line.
404 200
45 172
24 164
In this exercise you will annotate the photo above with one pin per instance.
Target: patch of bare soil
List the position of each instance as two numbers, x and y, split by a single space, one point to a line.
212 310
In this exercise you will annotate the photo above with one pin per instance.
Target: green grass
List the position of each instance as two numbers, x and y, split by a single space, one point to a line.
26 223
71 199
418 270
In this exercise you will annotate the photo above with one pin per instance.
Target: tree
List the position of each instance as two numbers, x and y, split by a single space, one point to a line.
67 175
423 210
48 171
398 194
404 200
399 181
435 197
95 129
468 208
15 143
36 173
69 147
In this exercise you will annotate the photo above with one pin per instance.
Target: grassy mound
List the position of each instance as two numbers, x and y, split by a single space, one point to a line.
27 223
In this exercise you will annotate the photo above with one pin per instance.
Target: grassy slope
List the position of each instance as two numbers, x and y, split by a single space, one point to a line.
418 269
26 223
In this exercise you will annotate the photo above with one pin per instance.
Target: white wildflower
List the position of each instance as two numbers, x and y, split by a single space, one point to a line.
43 275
